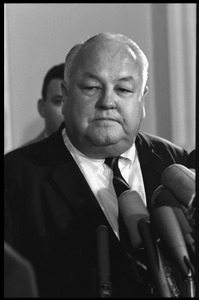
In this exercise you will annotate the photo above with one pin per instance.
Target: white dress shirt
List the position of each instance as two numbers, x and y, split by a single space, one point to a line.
99 177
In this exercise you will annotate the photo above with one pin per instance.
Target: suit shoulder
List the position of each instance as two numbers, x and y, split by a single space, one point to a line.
36 139
162 145
46 152
33 151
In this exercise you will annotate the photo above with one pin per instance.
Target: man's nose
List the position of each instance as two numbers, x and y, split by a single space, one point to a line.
107 100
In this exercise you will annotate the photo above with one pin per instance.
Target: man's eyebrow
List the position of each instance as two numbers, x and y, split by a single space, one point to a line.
95 77
127 79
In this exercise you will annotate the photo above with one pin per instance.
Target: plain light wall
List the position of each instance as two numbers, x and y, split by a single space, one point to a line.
39 36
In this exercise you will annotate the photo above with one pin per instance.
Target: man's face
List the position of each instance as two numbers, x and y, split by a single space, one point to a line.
52 106
103 107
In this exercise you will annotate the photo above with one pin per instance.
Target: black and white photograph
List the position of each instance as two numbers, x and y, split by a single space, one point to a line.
100 150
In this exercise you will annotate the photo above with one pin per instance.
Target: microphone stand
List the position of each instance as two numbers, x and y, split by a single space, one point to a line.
105 291
154 257
171 281
189 281
190 289
103 261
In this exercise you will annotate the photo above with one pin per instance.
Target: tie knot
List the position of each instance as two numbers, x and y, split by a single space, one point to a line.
119 182
112 161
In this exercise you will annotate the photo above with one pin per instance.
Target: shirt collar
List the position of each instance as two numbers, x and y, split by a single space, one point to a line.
96 163
129 154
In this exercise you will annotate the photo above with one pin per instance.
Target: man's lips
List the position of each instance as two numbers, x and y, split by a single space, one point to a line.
105 119
108 119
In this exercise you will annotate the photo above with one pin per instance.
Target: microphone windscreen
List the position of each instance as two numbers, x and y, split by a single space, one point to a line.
166 198
132 209
181 182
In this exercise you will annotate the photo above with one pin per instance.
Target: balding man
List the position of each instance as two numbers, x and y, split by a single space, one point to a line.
59 191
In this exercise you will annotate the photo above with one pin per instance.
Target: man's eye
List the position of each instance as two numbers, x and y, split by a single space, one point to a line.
91 90
57 101
124 91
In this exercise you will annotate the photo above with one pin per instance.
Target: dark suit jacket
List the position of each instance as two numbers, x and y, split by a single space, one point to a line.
51 216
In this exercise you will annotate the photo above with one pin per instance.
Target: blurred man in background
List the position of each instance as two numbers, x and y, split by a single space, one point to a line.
50 104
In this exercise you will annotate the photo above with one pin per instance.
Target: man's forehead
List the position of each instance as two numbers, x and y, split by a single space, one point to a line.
109 49
112 57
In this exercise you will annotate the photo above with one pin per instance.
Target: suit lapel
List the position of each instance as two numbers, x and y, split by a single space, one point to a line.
71 182
75 189
151 166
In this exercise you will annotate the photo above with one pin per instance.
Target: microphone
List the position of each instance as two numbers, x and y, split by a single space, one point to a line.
170 232
137 221
191 163
163 197
132 209
181 182
103 261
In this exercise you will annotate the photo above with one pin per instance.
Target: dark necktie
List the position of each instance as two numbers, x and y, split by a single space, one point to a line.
120 185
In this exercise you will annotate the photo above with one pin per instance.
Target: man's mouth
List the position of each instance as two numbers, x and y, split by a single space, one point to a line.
106 119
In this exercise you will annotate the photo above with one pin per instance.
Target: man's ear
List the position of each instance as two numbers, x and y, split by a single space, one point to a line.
41 108
146 89
143 102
